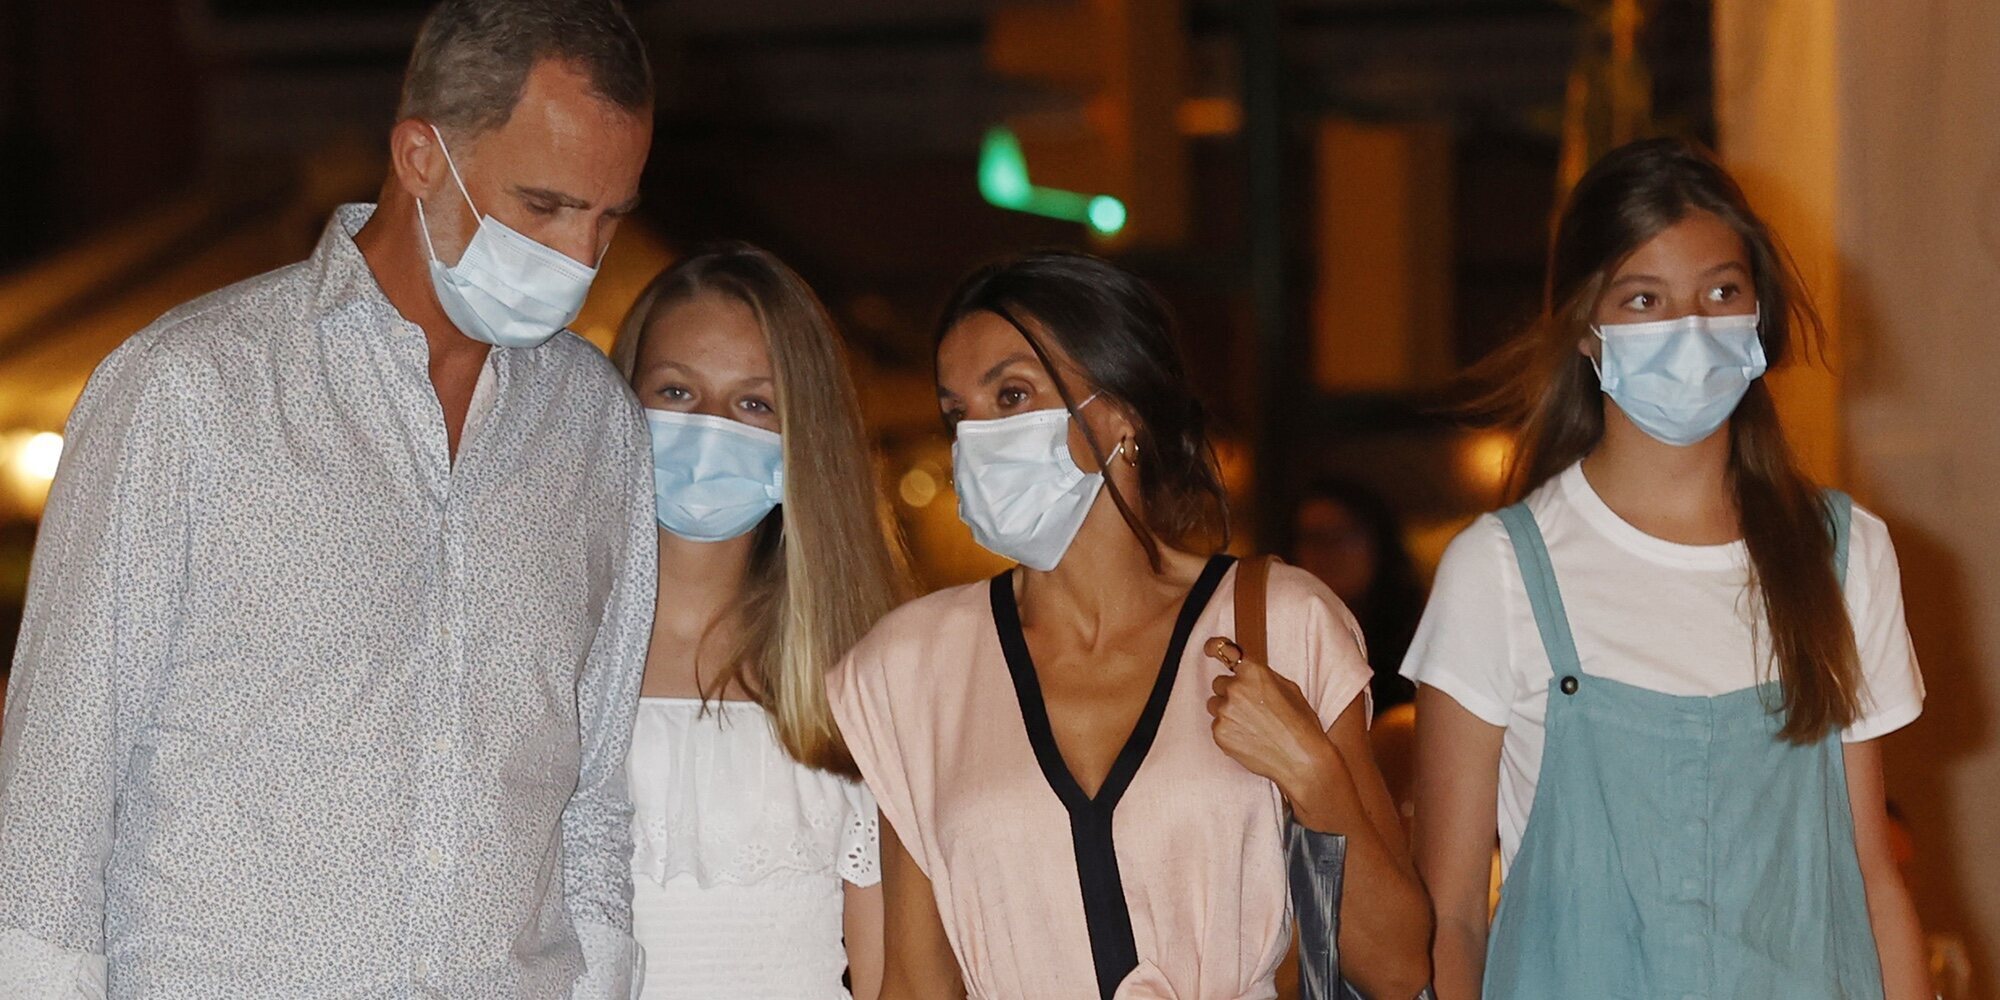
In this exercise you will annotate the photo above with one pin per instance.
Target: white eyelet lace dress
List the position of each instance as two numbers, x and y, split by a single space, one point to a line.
740 857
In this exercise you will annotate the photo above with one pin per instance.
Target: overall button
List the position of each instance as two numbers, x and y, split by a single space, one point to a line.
1569 685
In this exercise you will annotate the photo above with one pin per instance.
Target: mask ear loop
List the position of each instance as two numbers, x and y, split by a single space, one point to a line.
1147 540
460 181
424 223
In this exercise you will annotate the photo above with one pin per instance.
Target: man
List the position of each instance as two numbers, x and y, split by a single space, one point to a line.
338 610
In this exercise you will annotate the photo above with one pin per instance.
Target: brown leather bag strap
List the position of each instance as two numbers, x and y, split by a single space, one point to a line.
1253 577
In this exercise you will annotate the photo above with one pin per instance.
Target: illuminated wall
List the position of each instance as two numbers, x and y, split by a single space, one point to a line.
1870 132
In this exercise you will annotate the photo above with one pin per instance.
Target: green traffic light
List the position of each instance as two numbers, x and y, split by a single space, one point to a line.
1107 214
1003 182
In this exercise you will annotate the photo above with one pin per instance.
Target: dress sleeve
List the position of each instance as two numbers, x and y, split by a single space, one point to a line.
1316 642
1463 644
860 840
1892 694
859 690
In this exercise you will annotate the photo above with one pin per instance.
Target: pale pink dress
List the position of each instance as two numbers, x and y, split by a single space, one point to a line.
929 707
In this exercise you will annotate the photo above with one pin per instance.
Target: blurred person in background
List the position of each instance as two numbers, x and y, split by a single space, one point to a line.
756 872
1348 536
338 610
1662 675
1079 802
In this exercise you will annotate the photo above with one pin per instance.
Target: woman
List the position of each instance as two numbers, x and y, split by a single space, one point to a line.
1083 805
1348 536
1648 675
756 848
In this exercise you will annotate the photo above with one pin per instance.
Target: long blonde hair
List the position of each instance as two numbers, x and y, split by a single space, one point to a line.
825 565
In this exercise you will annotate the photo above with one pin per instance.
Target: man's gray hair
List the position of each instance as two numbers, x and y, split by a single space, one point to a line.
472 58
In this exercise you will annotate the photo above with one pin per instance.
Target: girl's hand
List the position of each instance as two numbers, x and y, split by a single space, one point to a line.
1263 721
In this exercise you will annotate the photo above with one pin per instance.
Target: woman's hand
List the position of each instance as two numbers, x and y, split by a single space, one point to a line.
1263 722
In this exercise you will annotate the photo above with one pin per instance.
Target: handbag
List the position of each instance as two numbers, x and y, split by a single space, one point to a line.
1315 862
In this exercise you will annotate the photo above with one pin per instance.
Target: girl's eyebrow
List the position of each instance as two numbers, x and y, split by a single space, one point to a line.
1637 279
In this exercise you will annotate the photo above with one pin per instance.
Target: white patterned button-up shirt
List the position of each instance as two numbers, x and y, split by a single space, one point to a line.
302 708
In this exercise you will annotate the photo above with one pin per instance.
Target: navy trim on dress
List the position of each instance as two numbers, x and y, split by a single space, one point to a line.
1105 914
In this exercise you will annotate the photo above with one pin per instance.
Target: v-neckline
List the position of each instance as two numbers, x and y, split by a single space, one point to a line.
1034 709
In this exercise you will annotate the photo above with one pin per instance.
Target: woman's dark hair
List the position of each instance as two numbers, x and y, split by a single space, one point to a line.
1548 390
1390 609
1120 334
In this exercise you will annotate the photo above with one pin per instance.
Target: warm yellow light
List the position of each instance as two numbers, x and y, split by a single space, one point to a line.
1209 116
1483 458
917 488
39 455
28 461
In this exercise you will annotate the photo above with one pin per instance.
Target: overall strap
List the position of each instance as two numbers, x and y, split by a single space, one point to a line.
1840 519
1543 595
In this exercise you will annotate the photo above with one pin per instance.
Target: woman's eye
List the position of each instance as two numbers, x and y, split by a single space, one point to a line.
755 405
1012 396
1642 301
677 393
1724 293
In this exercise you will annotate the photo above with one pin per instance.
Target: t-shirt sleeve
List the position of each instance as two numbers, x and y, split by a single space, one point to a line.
1892 686
1325 657
859 692
1462 646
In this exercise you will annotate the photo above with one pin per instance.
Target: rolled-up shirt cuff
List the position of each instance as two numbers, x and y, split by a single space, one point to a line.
34 969
614 966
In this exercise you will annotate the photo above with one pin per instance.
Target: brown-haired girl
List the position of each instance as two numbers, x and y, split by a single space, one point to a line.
1661 674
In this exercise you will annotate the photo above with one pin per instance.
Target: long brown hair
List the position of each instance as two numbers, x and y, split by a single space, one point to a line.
1121 334
1549 392
825 565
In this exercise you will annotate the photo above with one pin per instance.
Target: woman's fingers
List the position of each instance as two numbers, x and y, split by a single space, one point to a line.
1222 648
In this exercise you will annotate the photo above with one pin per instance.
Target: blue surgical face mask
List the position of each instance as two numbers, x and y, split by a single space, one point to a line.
713 478
506 289
1018 488
1679 379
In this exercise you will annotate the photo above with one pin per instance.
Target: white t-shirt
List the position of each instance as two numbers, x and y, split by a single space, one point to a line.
1673 618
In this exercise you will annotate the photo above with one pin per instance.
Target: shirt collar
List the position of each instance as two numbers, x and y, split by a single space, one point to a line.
346 286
